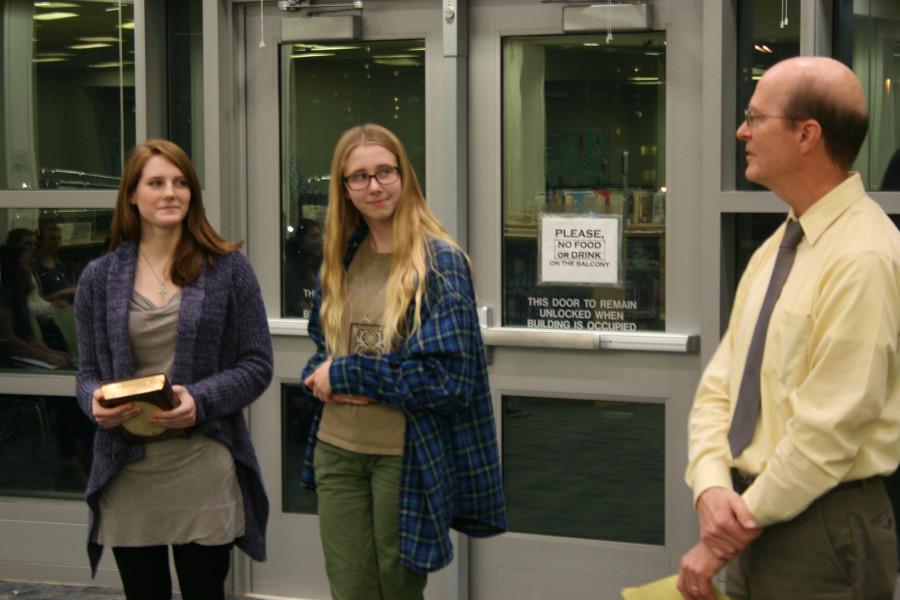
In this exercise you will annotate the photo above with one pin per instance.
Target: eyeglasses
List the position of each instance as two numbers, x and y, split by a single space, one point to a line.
385 175
751 117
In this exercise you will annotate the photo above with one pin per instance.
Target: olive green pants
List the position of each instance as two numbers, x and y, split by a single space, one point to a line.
843 546
358 509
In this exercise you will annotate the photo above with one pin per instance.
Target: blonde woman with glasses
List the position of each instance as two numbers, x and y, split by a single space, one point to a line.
403 446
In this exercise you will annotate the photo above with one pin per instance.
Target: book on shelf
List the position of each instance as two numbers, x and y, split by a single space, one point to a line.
152 394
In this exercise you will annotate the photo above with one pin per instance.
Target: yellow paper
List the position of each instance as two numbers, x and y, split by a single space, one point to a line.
664 589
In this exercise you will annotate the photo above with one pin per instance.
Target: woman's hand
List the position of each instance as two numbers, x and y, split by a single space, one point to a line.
319 382
107 418
184 414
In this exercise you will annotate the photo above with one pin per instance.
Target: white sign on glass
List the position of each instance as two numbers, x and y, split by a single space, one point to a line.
580 249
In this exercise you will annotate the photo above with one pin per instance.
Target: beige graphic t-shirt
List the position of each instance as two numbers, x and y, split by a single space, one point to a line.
371 428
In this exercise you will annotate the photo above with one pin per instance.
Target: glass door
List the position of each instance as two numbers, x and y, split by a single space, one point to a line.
581 196
302 93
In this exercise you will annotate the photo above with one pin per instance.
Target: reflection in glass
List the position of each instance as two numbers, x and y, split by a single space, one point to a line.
868 40
68 94
45 446
584 134
742 234
184 36
326 89
297 412
766 35
599 464
42 254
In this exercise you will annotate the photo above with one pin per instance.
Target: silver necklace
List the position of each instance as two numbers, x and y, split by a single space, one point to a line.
163 290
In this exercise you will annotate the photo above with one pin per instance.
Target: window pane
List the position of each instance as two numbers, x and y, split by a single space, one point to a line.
599 464
45 446
584 138
764 38
742 234
869 42
68 94
42 256
297 411
327 89
184 31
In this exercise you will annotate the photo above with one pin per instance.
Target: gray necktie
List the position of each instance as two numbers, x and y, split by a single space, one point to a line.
744 421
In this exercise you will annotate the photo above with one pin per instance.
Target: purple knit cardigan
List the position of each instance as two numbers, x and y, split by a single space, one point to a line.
223 355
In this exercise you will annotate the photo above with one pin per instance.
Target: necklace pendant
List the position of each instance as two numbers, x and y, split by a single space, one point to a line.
162 292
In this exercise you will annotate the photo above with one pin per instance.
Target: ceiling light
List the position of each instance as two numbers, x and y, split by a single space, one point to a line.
102 38
398 62
312 54
49 59
55 5
53 16
89 46
128 25
109 65
323 47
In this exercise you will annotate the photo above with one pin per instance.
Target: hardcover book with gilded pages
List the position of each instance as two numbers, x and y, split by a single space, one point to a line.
152 394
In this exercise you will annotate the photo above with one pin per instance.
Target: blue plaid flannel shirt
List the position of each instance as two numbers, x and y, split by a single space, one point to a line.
451 467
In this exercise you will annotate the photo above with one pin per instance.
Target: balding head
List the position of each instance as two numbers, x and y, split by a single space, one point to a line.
826 90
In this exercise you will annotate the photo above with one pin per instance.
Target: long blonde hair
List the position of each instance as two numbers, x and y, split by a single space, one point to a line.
414 226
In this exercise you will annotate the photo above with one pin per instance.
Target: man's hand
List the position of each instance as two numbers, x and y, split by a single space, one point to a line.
695 571
726 524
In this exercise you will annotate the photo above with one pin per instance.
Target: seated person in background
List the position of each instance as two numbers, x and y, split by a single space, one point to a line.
17 338
23 237
27 240
56 282
45 313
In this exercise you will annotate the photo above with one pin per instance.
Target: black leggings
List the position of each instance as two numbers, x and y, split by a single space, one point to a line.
201 571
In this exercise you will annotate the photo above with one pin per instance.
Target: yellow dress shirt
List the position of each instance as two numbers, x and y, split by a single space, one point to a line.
830 395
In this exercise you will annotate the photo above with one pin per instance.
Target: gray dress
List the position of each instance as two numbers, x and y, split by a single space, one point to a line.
185 489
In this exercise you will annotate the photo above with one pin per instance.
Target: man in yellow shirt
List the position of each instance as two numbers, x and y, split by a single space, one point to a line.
786 463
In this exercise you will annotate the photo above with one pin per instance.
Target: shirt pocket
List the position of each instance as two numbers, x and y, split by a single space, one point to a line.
786 356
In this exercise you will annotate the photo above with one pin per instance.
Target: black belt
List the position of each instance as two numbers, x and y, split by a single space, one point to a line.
740 481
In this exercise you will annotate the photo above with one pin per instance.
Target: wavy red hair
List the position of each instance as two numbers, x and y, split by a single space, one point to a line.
199 242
